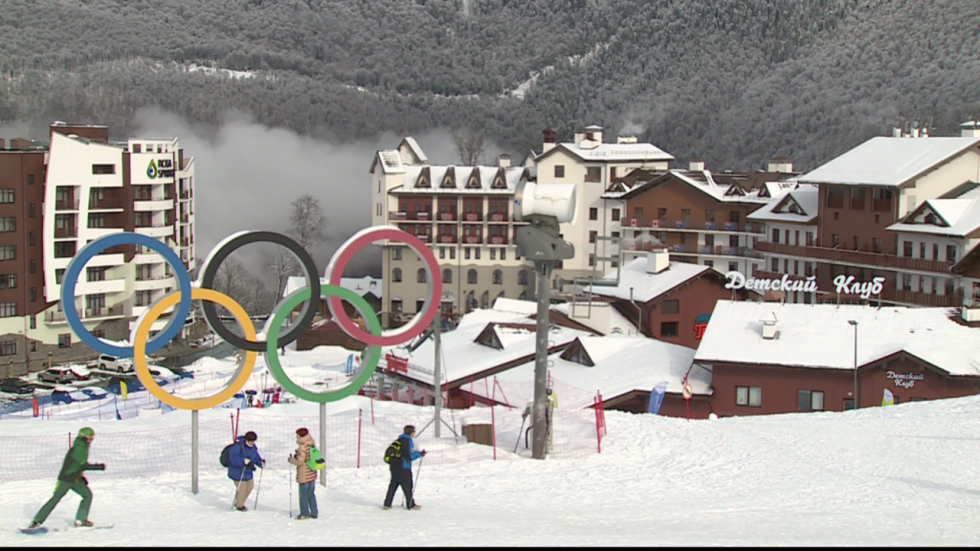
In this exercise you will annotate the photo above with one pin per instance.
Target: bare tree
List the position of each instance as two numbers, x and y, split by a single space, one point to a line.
283 265
469 147
234 280
307 221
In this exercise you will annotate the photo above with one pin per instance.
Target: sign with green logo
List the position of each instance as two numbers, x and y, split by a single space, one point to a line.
164 168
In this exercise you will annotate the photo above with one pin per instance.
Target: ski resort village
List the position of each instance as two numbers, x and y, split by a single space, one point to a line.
751 349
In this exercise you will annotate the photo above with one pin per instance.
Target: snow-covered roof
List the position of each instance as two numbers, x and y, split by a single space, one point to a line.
436 174
618 324
622 365
514 306
646 286
391 161
886 161
361 285
955 217
722 187
613 152
414 146
819 336
806 197
463 357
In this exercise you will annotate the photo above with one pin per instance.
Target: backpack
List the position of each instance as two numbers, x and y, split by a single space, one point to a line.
393 451
316 462
225 458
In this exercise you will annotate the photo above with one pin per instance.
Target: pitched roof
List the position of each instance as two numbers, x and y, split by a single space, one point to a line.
644 287
819 336
952 217
724 188
886 161
486 177
612 152
414 146
391 161
806 198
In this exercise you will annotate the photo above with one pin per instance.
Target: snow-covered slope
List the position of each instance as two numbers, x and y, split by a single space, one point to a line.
896 476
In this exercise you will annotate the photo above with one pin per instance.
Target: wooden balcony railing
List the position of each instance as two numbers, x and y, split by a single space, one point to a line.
66 204
473 239
672 224
447 216
497 240
856 257
71 231
473 217
447 238
498 217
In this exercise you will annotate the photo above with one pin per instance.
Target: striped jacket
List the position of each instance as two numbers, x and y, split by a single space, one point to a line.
303 473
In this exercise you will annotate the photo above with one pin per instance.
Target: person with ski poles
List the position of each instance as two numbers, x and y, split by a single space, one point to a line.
306 476
72 477
242 461
400 467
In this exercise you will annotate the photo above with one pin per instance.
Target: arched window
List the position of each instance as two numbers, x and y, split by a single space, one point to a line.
470 301
396 275
485 300
522 277
421 275
498 277
471 277
447 276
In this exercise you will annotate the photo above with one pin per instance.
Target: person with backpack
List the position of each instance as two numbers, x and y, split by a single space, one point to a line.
243 458
308 462
399 457
72 477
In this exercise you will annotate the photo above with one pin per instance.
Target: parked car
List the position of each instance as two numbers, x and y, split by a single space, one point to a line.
16 386
119 365
60 375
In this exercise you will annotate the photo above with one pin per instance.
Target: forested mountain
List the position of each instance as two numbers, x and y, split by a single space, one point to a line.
732 81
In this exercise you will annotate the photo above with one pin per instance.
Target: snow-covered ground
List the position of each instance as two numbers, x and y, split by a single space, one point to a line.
894 476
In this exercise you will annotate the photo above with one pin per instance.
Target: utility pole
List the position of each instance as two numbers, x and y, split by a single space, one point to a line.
437 340
540 408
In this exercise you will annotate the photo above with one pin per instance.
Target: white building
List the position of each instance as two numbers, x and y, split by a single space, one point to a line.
792 220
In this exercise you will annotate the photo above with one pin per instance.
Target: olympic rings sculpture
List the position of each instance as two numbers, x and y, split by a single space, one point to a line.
188 291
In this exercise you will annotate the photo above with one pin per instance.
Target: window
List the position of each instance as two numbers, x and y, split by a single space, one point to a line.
396 253
922 250
775 235
31 238
835 240
907 248
103 169
522 277
876 243
64 249
498 277
615 215
8 309
447 276
476 253
96 220
951 253
59 274
98 273
396 306
593 213
8 224
591 259
30 210
670 307
809 400
848 404
593 174
452 253
669 329
419 305
935 251
396 275
733 266
442 253
750 396
420 275
64 340
592 236
559 171
8 281
8 252
493 254
30 179
33 294
638 213
6 196
503 254
471 277
466 253
8 348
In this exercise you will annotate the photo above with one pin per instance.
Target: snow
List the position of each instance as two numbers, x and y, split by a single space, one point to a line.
806 197
622 365
962 215
414 146
619 152
905 475
363 286
645 286
885 161
819 335
487 175
514 306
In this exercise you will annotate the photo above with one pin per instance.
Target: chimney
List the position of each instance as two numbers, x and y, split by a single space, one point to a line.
658 260
781 165
696 165
3 144
769 327
503 160
626 139
550 137
970 129
896 132
915 133
19 144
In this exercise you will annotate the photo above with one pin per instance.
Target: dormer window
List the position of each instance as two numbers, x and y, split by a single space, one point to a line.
576 353
930 219
488 337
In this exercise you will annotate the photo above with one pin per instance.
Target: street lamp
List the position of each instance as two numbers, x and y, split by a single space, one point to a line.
855 324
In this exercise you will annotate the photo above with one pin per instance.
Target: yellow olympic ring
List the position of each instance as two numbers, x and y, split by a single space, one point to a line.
143 334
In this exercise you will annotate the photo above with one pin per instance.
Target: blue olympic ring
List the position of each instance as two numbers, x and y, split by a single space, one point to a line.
95 247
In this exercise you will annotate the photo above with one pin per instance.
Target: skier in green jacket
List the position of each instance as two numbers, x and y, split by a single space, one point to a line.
72 478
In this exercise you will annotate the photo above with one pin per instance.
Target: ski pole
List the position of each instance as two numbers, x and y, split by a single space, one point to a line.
259 489
290 491
415 485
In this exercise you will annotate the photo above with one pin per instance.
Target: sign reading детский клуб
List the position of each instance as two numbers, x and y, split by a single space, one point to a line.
846 285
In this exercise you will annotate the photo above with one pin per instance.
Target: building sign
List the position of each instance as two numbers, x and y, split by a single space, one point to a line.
845 285
160 168
905 380
700 324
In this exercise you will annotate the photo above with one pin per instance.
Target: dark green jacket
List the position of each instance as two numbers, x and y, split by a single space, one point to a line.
76 462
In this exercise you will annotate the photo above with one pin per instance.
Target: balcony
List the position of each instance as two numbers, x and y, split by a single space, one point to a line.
420 216
857 203
105 203
881 205
763 274
64 233
66 204
473 239
447 238
185 219
714 250
927 299
498 217
154 204
473 217
690 225
497 240
100 313
156 230
150 283
447 216
835 201
185 195
860 258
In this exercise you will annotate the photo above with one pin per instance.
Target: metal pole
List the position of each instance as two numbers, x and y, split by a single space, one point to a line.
539 421
323 439
855 366
194 446
438 368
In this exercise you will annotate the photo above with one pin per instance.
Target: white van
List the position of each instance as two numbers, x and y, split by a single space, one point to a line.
119 365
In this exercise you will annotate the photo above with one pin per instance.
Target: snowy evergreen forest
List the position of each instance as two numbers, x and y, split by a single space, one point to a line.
732 81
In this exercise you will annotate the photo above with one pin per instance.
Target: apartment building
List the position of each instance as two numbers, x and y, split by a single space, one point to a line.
593 165
893 215
700 216
56 198
463 213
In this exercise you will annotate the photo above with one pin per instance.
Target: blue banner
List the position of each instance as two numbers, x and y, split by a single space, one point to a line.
350 364
657 398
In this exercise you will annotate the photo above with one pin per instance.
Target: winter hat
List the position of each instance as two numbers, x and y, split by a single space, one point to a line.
409 429
251 436
302 432
87 432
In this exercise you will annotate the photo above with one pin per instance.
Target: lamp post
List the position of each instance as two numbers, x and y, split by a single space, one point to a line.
854 323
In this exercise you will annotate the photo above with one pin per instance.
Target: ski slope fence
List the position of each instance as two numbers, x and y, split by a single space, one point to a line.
355 439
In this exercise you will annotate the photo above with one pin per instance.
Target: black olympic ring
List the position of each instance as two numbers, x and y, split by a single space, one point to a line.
308 312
